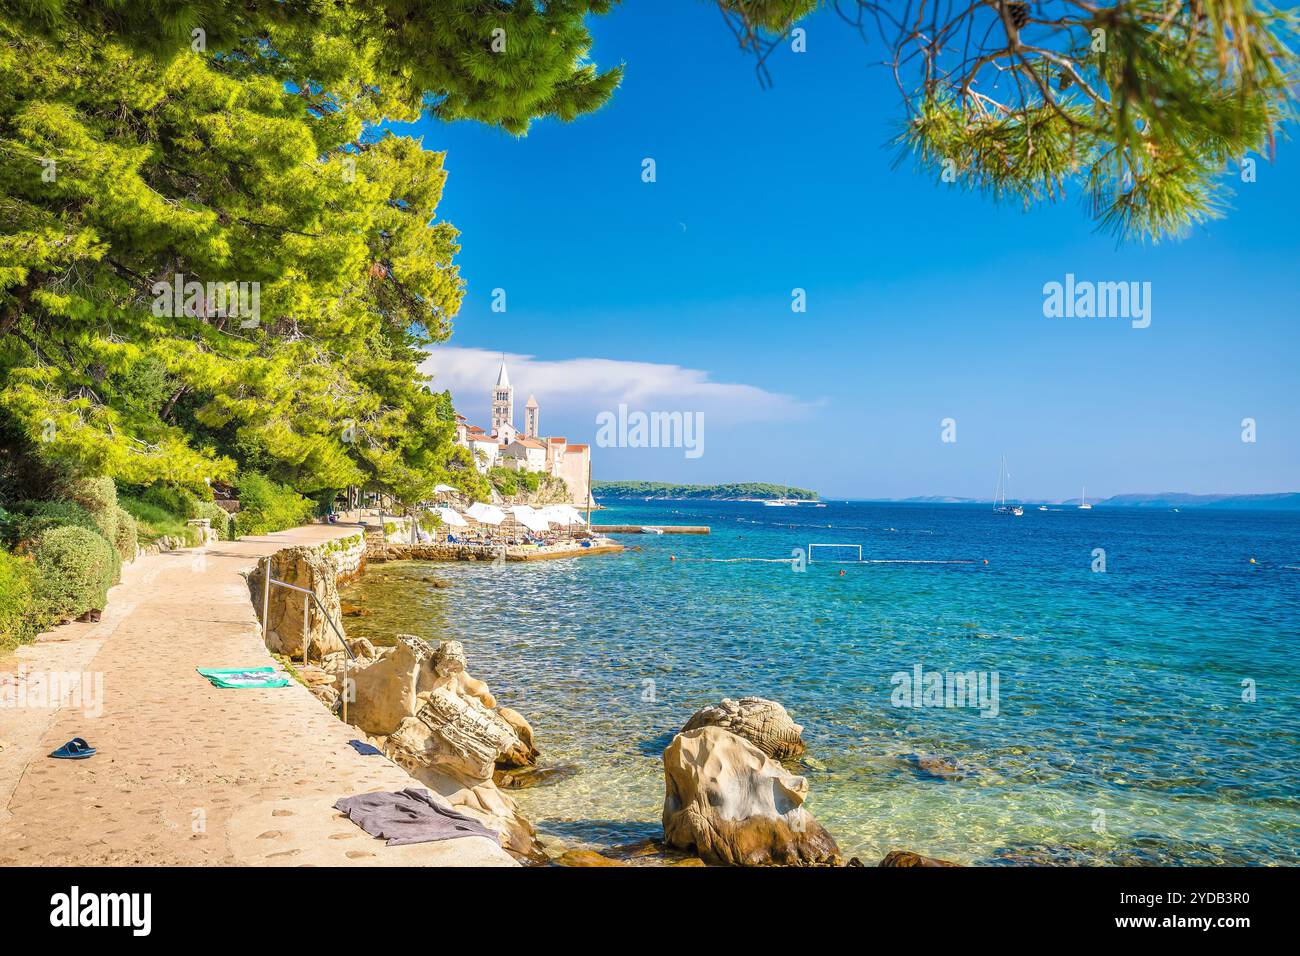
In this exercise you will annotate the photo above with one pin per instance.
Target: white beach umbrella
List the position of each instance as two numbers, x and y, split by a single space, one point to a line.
530 518
450 517
444 489
485 513
563 515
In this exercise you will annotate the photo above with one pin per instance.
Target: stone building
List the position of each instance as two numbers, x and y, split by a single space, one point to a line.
506 447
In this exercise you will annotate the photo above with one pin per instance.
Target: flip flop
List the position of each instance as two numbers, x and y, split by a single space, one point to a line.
365 749
75 749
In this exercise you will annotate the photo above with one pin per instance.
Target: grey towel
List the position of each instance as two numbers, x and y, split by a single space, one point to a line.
409 816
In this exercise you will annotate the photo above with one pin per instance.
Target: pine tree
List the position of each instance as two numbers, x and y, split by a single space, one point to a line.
1141 105
234 145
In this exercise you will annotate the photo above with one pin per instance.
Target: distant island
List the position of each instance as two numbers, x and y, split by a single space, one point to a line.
745 490
1281 501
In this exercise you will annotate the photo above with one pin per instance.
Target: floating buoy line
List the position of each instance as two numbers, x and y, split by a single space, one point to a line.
792 560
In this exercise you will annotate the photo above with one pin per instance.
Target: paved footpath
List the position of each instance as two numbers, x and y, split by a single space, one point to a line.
187 773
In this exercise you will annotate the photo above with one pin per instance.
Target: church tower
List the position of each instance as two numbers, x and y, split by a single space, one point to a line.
530 418
503 401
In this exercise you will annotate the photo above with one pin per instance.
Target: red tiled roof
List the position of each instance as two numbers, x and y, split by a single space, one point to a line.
577 448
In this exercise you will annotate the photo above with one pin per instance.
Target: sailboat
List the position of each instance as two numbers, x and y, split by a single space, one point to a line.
1083 500
1000 493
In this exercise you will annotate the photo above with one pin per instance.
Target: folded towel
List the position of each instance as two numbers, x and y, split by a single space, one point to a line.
409 816
244 677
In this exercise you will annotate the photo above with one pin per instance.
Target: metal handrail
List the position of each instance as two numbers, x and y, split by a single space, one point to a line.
321 607
267 581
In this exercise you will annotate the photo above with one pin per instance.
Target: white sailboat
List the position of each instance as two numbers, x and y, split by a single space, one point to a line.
1000 493
1083 500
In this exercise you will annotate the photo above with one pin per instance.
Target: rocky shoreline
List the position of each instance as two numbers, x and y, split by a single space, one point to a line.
728 799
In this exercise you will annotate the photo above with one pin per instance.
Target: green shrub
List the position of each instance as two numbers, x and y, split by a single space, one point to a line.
99 497
266 506
31 518
504 480
180 502
75 569
220 519
19 618
127 540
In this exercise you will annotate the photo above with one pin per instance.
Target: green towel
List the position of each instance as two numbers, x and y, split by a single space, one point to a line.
244 677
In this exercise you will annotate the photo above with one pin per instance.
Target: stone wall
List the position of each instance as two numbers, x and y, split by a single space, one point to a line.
346 555
445 551
394 530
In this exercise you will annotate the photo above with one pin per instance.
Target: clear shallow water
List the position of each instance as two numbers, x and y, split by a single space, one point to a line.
1120 694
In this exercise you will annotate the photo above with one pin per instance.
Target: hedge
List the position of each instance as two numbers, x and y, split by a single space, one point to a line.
128 538
19 620
99 497
75 568
30 519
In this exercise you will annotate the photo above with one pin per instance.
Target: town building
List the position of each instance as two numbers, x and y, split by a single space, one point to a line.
506 447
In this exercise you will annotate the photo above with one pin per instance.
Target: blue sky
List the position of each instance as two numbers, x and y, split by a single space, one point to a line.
924 301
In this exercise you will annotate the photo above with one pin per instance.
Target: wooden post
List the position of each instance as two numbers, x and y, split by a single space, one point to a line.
266 600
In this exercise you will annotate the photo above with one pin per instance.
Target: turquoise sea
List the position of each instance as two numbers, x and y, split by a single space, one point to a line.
1125 731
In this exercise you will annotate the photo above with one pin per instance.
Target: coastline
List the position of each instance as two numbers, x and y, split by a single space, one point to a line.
189 774
206 603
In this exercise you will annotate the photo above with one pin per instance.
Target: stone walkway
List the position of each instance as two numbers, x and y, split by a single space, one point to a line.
186 773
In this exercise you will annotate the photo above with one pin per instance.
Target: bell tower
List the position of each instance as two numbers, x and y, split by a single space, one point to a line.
530 418
503 400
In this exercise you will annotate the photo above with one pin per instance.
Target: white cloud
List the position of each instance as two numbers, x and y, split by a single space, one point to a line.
591 385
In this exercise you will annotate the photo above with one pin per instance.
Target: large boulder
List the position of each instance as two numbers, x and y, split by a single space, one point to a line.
900 858
467 738
764 723
449 668
732 804
384 692
524 755
304 568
